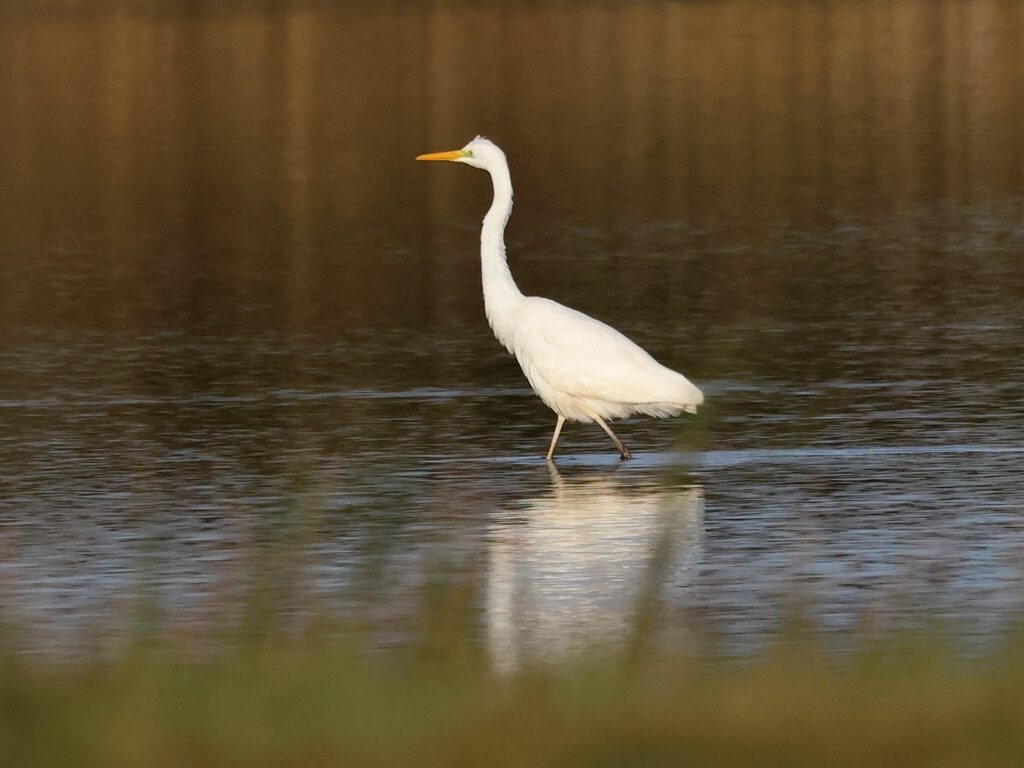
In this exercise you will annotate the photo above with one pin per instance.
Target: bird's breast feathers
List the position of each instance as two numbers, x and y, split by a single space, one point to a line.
576 355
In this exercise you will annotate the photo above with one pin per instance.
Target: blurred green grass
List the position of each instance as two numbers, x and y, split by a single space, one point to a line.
316 701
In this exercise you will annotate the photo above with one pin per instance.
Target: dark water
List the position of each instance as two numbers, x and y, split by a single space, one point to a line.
244 359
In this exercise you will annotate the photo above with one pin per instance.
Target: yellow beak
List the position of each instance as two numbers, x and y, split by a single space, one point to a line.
455 154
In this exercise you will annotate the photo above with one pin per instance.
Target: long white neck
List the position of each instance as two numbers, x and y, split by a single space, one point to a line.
501 295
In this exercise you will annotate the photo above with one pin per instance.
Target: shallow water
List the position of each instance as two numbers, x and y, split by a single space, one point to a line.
245 363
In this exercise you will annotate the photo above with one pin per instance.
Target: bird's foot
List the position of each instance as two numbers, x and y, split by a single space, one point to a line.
625 453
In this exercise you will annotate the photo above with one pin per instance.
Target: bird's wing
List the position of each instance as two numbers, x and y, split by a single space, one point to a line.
580 356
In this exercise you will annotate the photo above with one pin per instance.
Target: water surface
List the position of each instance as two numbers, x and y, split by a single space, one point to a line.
245 361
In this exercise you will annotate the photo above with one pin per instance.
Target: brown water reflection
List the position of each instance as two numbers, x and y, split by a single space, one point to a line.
236 317
177 141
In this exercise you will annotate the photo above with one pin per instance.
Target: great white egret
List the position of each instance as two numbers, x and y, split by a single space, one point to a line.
581 368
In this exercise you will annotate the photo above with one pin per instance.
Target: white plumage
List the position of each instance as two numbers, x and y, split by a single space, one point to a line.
583 369
579 366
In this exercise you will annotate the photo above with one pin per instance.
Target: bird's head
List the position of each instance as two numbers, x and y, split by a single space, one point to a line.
479 153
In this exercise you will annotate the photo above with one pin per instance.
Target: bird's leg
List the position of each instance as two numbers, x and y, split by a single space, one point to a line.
623 450
554 437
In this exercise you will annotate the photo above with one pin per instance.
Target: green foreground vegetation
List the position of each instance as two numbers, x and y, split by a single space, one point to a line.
314 702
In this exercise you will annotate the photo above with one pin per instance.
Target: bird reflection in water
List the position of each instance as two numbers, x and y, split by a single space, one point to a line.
578 568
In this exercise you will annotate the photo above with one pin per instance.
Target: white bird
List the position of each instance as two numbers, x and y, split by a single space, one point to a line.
581 368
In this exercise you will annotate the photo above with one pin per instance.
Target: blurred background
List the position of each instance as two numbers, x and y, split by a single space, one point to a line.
246 372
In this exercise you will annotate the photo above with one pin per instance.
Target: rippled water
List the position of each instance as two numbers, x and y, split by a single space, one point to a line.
245 363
